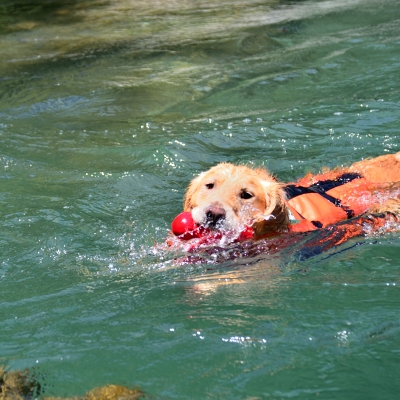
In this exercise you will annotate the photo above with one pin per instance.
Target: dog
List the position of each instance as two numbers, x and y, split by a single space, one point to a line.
230 197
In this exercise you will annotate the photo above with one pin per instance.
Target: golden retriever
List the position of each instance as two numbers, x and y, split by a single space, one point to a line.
229 197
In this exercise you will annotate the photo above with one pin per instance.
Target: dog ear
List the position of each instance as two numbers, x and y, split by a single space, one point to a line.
273 195
275 209
189 198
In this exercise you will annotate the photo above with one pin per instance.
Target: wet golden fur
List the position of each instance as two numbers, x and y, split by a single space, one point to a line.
265 210
242 196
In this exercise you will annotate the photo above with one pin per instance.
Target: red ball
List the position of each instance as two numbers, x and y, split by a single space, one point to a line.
184 226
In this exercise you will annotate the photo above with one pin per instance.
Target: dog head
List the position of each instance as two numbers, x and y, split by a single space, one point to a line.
229 197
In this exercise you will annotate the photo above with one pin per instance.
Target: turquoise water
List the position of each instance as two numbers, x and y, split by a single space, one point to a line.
107 110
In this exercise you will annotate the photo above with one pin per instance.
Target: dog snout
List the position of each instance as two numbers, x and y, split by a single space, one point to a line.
214 215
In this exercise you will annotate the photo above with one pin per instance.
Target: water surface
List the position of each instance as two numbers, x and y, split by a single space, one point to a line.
107 110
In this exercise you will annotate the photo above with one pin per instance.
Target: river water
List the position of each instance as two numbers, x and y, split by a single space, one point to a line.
107 110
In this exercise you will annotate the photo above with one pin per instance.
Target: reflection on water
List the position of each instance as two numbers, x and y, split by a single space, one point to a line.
175 59
148 26
107 110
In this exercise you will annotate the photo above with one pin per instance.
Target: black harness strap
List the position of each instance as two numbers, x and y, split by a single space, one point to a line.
321 188
324 186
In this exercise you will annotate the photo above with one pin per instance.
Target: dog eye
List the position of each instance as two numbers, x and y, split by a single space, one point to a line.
246 195
209 185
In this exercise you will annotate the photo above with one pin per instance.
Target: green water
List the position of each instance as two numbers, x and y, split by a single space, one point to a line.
107 110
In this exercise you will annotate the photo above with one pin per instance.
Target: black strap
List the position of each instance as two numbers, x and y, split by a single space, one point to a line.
321 188
293 191
324 186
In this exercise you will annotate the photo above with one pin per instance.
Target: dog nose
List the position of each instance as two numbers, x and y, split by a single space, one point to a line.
214 214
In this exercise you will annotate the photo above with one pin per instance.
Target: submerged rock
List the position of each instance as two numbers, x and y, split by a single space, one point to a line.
21 385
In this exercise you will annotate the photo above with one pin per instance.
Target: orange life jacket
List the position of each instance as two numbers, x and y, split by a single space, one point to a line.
328 201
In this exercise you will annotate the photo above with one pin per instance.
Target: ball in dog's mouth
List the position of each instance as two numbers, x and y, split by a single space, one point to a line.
184 227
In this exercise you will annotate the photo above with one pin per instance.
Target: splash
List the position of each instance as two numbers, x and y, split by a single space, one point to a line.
300 246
